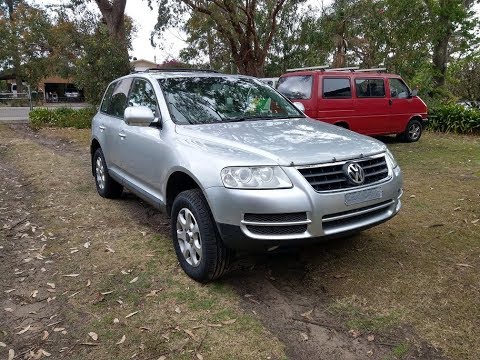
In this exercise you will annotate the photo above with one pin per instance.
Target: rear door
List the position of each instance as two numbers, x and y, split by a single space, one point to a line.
400 105
335 102
372 113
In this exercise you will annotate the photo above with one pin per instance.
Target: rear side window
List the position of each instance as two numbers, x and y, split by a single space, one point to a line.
370 88
336 88
107 98
398 89
118 101
296 87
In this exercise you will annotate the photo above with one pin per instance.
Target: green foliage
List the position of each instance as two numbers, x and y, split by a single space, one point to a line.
62 117
464 77
103 60
454 118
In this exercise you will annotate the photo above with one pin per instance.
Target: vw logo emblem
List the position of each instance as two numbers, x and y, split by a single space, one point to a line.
354 173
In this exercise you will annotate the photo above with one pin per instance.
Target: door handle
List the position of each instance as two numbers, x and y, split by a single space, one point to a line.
390 101
122 135
101 127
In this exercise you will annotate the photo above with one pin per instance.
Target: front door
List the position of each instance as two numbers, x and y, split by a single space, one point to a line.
400 105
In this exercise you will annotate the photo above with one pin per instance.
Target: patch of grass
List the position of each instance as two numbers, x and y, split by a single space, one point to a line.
400 350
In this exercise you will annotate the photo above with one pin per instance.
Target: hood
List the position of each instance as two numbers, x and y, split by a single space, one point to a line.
287 142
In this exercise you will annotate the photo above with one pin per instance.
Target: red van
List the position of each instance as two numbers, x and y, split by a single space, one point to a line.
367 101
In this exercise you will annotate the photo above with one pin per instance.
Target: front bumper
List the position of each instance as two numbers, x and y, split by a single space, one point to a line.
326 214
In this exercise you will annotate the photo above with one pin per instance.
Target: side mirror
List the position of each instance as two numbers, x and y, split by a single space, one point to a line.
414 93
138 116
299 106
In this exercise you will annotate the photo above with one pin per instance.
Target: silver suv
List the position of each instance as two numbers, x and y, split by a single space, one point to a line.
236 166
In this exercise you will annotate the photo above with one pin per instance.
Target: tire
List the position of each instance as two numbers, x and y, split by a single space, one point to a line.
106 186
413 131
199 248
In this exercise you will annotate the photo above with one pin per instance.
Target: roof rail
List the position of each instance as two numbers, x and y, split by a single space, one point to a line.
351 68
179 70
322 67
379 69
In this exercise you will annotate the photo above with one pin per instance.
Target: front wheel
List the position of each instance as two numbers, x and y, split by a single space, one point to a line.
199 248
413 131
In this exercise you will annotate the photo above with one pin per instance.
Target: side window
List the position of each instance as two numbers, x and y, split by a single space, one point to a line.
370 88
336 88
398 89
142 94
118 102
107 98
296 87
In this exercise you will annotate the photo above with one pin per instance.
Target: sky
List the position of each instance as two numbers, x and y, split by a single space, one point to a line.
145 20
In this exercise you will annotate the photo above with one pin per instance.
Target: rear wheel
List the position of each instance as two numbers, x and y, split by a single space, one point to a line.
199 248
106 186
413 131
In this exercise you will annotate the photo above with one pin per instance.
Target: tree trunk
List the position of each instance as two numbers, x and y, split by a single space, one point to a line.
440 57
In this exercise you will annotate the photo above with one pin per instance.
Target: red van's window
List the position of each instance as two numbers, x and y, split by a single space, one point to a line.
398 89
296 87
370 87
336 88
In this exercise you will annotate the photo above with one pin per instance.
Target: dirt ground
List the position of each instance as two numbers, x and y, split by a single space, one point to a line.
87 278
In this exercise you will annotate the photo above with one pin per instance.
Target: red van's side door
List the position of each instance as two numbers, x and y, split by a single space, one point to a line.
335 101
401 105
372 113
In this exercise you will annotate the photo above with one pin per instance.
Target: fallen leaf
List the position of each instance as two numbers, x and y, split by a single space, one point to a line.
58 329
93 335
465 265
73 251
71 275
106 292
24 330
153 293
228 322
162 357
191 334
52 285
355 333
134 280
116 321
8 309
45 335
370 337
44 353
370 353
304 336
122 340
131 314
88 283
412 196
86 245
9 291
89 344
475 221
457 208
109 249
34 293
177 310
215 325
2 344
199 356
307 314
11 354
51 299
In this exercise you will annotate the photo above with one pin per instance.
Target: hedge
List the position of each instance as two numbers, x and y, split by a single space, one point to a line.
62 117
454 118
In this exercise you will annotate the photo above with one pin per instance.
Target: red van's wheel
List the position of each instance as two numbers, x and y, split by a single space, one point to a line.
413 131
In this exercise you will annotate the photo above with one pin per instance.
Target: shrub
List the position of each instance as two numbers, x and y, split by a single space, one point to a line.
454 118
62 117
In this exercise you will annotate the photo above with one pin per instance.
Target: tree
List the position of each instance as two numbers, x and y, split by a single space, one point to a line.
23 41
448 19
246 28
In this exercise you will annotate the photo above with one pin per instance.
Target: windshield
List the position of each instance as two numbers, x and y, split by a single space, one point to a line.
206 100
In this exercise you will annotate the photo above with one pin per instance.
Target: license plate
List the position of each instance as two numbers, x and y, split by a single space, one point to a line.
363 196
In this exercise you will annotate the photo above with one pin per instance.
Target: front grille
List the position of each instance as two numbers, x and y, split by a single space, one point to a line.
331 177
276 218
277 230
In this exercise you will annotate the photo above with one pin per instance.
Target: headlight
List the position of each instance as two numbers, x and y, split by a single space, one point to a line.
392 159
261 177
